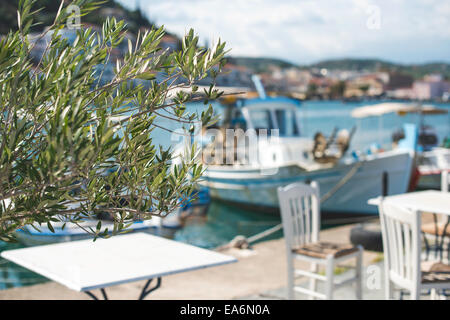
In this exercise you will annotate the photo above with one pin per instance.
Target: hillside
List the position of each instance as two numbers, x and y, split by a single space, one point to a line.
134 18
415 70
354 64
259 65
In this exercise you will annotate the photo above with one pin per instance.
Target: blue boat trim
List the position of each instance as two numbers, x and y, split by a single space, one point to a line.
271 99
272 181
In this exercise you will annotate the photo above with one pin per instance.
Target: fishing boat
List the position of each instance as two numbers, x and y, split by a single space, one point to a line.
31 235
431 159
346 179
40 235
430 167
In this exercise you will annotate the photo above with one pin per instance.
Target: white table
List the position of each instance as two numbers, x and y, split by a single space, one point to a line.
436 202
87 265
423 201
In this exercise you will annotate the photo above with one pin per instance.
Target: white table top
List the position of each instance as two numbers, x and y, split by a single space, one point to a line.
86 265
424 201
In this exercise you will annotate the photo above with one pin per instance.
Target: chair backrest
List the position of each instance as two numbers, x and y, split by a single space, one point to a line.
300 212
401 244
445 180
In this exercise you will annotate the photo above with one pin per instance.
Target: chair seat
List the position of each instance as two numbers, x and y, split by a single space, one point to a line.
430 228
323 249
437 272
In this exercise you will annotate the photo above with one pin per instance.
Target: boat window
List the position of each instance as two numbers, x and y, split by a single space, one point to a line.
261 119
238 120
287 122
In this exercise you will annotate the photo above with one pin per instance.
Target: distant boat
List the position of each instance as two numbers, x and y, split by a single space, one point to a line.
430 166
346 181
30 236
431 159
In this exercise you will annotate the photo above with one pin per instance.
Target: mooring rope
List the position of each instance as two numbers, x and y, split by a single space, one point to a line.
244 242
343 181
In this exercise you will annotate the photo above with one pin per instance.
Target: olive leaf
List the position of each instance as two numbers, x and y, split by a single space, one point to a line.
75 143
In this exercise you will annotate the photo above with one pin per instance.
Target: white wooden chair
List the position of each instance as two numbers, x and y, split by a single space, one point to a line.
402 254
438 231
445 180
300 212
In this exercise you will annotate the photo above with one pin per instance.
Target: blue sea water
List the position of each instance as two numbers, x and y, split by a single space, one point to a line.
223 222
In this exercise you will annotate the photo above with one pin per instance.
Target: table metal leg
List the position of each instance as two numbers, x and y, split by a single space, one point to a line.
94 297
445 292
90 294
444 236
145 292
438 247
105 297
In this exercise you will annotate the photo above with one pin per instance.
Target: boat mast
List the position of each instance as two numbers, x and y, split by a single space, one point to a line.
259 86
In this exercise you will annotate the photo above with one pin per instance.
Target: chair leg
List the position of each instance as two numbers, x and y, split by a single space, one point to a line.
433 294
291 279
359 273
312 281
388 287
330 278
415 294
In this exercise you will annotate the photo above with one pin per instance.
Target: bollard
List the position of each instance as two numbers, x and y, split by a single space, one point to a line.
385 184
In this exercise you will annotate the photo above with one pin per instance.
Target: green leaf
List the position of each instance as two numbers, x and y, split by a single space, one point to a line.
146 76
50 227
73 143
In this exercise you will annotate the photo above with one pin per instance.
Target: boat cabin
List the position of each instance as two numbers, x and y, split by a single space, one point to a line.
427 136
269 113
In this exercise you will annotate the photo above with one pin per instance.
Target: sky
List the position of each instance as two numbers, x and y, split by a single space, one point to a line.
308 31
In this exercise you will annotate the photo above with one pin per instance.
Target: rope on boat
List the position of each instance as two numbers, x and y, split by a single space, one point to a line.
343 181
242 242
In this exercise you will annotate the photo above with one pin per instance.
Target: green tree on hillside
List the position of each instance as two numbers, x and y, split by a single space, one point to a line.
337 90
8 15
312 90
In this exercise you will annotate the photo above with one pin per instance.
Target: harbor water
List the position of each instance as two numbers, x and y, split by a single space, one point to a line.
223 222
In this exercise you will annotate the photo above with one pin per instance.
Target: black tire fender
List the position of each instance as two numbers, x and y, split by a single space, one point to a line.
368 236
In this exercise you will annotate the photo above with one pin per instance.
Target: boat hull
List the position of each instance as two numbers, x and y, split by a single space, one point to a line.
429 181
166 226
251 188
71 232
431 165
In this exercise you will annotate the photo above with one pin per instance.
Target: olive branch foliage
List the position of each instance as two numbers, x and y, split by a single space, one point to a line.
74 145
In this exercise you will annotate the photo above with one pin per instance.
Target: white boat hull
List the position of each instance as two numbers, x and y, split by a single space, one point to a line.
251 188
71 232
